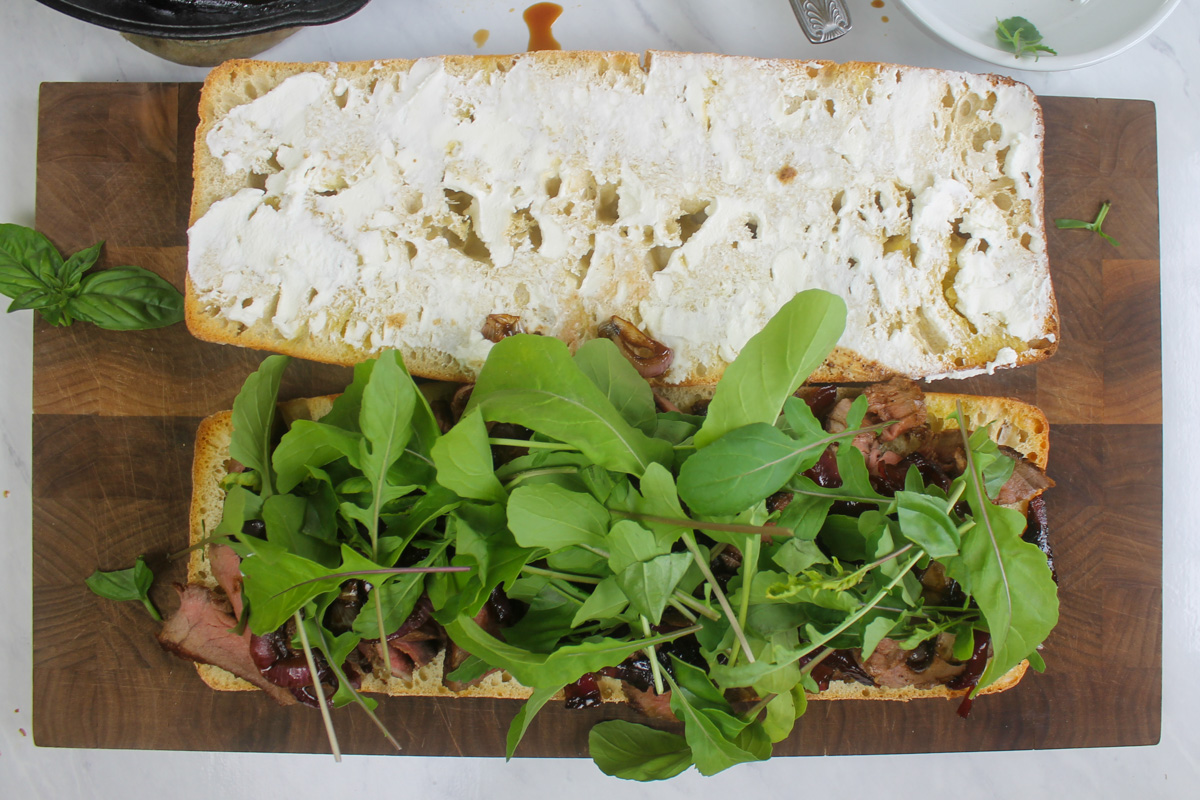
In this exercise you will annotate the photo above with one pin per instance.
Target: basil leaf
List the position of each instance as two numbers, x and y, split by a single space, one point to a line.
71 272
532 381
27 261
520 723
126 584
637 752
552 517
36 299
254 419
630 395
464 461
774 363
126 299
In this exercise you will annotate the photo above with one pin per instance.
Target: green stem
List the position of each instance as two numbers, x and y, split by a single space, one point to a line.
698 525
749 565
953 499
566 576
154 611
358 700
533 473
689 539
318 692
857 615
682 609
652 654
756 709
966 526
532 444
696 605
567 592
811 665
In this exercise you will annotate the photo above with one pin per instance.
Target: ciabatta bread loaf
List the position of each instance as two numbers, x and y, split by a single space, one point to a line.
341 209
1014 424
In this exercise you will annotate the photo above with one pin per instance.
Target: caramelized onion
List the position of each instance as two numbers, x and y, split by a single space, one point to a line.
649 358
501 326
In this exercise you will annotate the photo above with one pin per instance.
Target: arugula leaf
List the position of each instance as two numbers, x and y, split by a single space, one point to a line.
241 505
747 465
398 595
1008 578
126 584
552 517
629 542
254 420
718 738
520 723
605 602
284 517
925 522
464 461
637 752
649 584
312 444
532 381
1021 37
601 361
560 667
1095 226
774 363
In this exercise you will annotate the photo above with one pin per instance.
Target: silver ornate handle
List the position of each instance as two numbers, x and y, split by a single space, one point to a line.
822 20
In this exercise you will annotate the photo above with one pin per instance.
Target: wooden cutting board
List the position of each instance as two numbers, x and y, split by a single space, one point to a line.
115 413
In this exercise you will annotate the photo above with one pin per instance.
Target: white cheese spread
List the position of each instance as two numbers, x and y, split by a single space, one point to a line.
694 198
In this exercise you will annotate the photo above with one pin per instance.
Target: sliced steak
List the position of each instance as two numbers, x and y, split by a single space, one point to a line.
1027 481
200 631
226 567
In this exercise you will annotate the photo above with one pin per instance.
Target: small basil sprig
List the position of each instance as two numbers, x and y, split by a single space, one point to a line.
1022 37
34 274
126 584
1095 226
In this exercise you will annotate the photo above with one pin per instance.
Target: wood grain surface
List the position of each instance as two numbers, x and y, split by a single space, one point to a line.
115 413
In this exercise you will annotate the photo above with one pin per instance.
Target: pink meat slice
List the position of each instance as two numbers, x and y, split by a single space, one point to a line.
200 630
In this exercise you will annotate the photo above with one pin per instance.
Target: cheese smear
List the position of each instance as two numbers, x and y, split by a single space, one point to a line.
693 197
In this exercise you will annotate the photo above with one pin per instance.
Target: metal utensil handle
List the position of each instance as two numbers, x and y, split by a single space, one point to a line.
822 20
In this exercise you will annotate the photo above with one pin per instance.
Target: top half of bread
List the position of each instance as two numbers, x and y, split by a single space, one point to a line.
340 209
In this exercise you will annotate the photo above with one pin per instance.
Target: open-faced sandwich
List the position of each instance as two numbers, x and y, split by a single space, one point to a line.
562 530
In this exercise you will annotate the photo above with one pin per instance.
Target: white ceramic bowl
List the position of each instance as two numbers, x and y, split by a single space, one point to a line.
1083 32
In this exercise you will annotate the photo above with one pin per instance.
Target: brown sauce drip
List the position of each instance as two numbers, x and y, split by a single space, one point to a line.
481 37
876 3
540 19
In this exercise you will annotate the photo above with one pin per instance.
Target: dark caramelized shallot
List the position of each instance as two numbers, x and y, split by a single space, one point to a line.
649 357
501 326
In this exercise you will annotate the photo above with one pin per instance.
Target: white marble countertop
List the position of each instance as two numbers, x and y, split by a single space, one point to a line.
41 45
